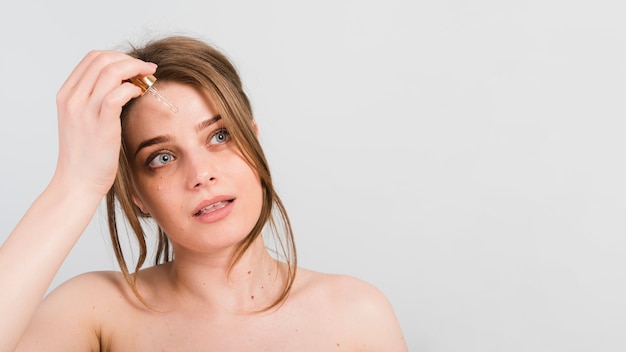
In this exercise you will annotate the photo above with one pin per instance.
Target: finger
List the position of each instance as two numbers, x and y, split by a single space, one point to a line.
112 103
79 71
85 84
67 88
74 94
80 68
113 76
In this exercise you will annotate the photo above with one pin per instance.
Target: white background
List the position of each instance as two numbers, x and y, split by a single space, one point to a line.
466 157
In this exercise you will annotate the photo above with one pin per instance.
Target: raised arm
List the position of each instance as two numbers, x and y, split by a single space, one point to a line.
88 106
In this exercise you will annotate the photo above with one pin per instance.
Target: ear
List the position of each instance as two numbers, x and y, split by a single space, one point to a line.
139 205
255 127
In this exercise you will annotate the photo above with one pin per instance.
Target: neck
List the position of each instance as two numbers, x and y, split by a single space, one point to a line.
251 284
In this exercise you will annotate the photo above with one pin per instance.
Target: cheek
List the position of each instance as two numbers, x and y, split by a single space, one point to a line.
154 192
252 185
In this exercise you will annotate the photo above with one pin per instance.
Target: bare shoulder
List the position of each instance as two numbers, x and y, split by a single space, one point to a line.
70 317
358 308
92 288
342 289
96 280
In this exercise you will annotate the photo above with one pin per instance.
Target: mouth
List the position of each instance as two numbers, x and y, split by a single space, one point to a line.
213 207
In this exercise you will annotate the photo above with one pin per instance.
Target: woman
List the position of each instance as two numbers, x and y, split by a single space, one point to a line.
201 176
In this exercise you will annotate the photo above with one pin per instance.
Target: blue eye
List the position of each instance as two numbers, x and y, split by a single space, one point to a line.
220 136
161 159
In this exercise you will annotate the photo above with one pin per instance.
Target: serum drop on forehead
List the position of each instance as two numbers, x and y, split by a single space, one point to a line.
147 85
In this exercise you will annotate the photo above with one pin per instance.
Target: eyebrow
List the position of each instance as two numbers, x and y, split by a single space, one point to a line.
165 138
208 122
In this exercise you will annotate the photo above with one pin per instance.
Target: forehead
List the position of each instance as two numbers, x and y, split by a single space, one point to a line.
148 116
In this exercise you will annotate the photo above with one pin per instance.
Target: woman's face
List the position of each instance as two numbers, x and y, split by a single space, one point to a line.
187 173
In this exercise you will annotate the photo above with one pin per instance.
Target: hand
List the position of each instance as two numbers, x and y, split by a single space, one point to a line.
89 105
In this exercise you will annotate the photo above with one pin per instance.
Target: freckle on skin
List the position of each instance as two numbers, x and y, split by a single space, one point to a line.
251 297
249 272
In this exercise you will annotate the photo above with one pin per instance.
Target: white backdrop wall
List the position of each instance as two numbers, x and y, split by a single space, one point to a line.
466 157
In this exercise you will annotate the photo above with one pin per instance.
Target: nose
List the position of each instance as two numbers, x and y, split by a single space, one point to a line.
200 171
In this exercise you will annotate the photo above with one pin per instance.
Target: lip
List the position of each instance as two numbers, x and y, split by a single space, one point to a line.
223 205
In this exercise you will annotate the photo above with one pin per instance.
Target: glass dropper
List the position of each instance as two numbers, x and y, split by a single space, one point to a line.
147 85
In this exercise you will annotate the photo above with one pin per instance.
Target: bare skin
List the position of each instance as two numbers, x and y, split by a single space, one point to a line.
196 303
323 313
89 105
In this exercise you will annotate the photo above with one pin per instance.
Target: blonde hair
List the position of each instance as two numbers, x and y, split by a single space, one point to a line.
193 62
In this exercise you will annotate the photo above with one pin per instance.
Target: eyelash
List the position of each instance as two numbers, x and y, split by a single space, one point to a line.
155 155
151 158
218 131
